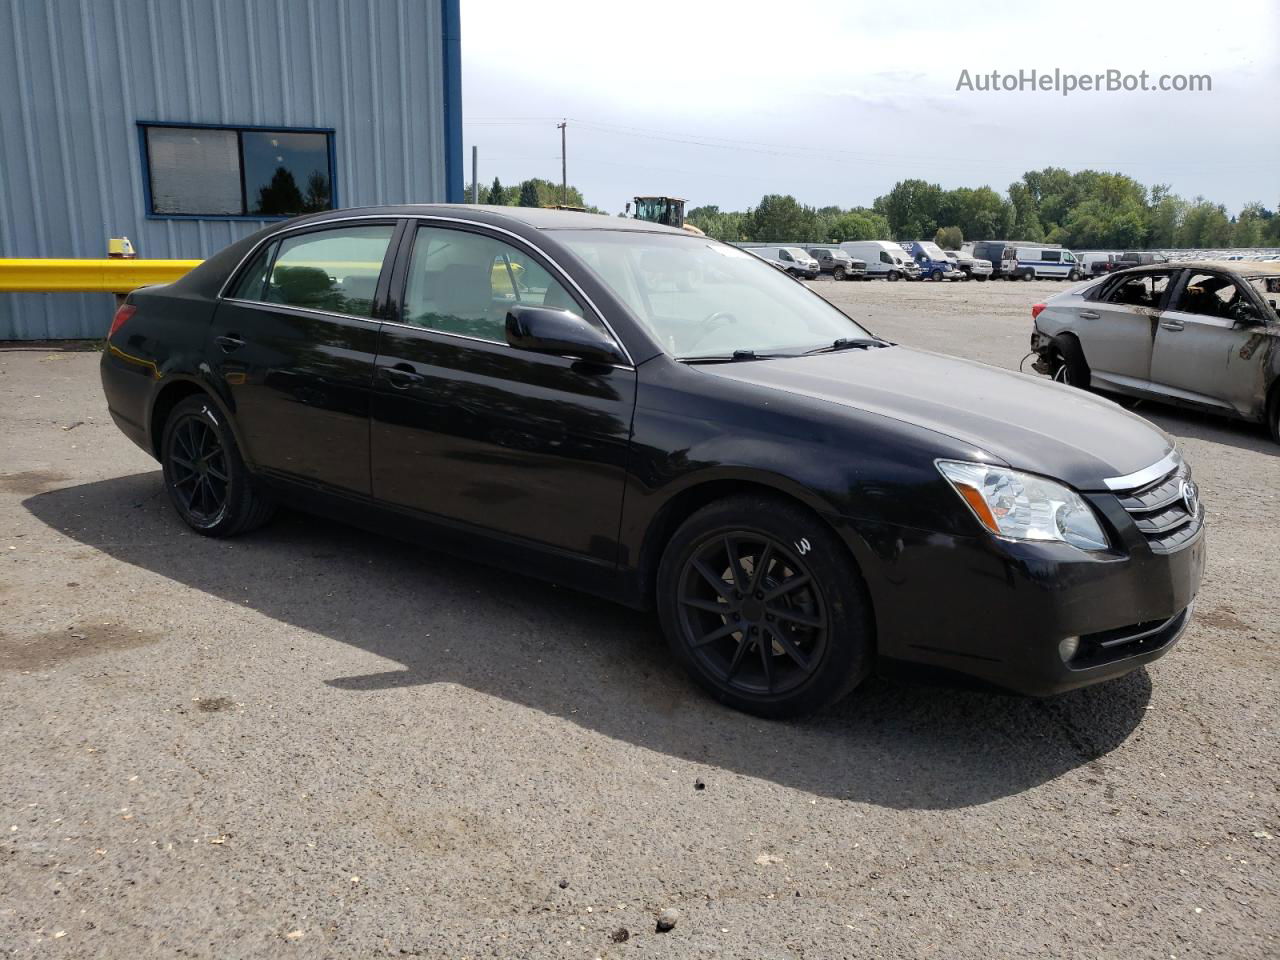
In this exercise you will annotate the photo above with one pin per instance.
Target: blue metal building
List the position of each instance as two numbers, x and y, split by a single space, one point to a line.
187 124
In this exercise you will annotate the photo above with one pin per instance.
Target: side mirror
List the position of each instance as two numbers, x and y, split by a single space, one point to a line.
559 332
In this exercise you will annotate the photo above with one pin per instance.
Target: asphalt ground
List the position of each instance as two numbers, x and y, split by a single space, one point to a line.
315 742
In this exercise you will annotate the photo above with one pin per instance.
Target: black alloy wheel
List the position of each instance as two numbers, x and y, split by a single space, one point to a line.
764 606
752 614
204 474
199 476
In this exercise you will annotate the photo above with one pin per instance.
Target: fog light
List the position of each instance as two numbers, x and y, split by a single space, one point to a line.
1068 648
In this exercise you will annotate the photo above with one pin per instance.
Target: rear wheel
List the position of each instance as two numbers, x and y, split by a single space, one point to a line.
1068 363
205 475
763 605
1029 275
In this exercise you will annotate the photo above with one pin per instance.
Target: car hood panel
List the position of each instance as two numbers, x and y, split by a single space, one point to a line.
1030 423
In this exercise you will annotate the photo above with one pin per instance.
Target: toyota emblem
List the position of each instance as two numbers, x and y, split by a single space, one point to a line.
1190 497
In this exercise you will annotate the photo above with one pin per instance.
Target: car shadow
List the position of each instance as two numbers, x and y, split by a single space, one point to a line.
895 743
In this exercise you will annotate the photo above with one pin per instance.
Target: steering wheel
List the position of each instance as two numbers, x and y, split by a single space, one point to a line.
712 323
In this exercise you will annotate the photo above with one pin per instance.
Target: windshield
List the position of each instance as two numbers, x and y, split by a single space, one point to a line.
931 251
699 297
797 253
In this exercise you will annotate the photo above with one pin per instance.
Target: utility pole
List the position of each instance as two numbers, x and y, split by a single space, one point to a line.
475 182
564 166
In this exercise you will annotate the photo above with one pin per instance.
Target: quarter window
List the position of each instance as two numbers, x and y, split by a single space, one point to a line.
331 270
461 282
236 171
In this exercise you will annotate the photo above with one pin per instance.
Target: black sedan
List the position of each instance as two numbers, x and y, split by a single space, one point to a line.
667 421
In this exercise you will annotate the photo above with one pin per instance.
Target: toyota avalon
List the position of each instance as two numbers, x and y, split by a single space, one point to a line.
667 421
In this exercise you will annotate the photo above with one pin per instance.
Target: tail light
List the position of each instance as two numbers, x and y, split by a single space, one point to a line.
1035 310
122 316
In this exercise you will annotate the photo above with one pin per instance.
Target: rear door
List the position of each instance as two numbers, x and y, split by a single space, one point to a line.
1116 331
472 430
1212 342
295 342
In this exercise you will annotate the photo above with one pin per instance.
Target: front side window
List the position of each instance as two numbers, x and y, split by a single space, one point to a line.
236 172
465 283
699 297
784 255
884 257
331 270
1209 295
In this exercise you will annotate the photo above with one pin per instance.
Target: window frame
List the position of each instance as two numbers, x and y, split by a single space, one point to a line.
239 129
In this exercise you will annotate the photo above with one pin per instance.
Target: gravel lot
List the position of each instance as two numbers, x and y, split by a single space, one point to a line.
315 742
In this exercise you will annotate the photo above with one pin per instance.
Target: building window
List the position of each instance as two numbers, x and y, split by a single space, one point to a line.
252 172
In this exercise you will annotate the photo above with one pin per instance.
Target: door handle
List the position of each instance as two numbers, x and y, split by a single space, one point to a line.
1171 324
229 342
402 375
1089 315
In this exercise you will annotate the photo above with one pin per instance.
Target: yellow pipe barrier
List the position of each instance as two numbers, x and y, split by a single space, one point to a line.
87 276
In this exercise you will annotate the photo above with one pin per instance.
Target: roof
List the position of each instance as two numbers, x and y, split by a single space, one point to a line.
538 218
1243 268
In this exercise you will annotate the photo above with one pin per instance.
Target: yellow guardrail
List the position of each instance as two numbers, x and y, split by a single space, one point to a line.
87 276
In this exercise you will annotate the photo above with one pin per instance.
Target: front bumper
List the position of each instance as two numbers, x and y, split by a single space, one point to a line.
998 610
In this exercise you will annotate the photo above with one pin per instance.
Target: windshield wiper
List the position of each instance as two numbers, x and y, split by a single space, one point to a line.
848 343
736 357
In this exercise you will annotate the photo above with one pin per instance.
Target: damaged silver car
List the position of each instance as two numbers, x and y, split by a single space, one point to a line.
1204 334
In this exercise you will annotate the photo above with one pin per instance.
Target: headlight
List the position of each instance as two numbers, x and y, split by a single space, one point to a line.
1022 506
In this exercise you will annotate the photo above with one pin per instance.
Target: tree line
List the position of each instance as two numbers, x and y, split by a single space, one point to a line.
1083 210
531 193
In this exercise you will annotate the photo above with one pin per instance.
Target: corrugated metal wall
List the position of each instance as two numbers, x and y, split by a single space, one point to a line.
76 76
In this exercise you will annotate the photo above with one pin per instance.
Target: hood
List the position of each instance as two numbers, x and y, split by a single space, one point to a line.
1028 422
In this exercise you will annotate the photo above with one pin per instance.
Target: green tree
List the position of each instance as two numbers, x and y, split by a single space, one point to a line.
1248 231
1165 217
780 217
529 194
859 224
949 238
497 195
911 208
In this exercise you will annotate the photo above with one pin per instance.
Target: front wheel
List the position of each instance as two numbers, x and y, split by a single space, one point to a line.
763 605
837 273
936 276
204 474
1074 276
893 275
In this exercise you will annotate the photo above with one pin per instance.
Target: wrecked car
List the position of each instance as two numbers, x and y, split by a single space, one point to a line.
1203 334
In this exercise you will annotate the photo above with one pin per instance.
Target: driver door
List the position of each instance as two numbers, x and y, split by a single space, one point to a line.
1210 344
470 429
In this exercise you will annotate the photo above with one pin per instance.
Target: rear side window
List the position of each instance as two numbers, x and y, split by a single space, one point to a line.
1144 291
252 284
1051 256
461 282
331 270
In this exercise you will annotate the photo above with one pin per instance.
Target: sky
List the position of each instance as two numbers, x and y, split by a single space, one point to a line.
721 103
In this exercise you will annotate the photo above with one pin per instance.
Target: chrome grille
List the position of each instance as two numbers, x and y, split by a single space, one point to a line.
1159 511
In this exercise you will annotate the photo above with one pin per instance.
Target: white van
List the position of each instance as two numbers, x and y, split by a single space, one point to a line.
1047 263
793 260
884 259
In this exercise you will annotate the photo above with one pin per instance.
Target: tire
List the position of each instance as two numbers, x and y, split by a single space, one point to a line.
1029 276
936 276
1069 363
892 276
1273 417
1074 276
820 633
204 474
837 273
981 278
